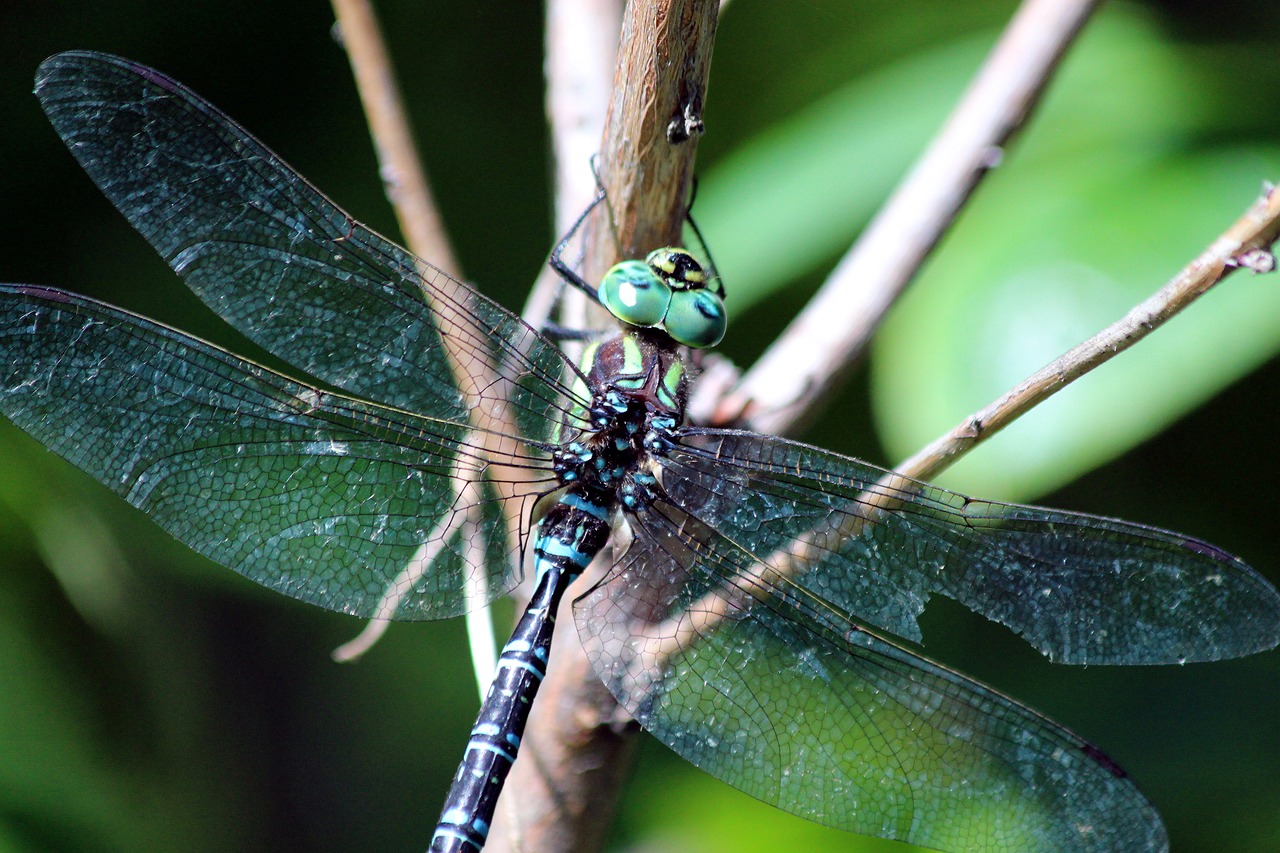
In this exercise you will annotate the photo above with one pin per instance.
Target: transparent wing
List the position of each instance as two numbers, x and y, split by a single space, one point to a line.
744 627
350 505
769 689
284 265
1079 588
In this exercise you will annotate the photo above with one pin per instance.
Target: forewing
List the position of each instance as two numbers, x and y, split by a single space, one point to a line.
284 265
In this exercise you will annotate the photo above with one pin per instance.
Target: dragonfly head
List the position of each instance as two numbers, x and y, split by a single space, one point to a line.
669 290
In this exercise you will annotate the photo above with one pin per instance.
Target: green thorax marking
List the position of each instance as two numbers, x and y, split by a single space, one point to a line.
646 370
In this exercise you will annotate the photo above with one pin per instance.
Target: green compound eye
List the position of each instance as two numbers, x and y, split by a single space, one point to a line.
634 294
696 318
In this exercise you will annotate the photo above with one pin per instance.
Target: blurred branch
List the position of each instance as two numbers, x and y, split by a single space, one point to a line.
581 53
819 347
575 754
1247 243
403 177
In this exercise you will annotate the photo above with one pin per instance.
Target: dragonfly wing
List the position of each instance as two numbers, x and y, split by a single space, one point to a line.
287 267
771 690
346 504
1079 588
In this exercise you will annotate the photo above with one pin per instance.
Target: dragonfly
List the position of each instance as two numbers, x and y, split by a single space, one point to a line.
757 607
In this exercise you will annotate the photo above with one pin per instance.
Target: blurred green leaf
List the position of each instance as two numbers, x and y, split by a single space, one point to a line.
789 199
1105 202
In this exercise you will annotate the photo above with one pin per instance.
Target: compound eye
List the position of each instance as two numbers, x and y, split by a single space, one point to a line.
696 318
633 293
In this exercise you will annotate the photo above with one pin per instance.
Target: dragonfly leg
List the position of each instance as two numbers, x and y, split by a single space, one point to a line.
557 261
713 277
559 333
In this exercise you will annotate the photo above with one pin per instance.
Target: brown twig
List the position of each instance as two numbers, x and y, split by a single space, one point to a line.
1247 243
403 176
407 189
817 349
574 757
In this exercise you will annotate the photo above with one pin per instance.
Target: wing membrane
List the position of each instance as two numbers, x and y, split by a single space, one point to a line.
346 504
284 265
777 694
1080 588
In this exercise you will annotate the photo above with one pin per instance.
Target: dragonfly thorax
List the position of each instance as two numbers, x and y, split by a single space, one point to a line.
639 399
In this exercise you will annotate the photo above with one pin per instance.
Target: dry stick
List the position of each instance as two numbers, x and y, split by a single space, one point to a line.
818 348
398 161
1247 243
563 790
660 83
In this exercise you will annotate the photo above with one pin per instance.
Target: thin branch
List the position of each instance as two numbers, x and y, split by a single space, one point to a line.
403 177
1246 244
407 189
582 52
815 352
573 760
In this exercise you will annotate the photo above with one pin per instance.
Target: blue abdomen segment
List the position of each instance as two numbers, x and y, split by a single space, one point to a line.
574 530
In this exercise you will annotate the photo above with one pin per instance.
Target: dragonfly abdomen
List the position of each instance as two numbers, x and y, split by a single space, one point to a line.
574 530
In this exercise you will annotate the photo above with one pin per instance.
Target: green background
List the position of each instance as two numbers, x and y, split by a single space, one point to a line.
153 701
